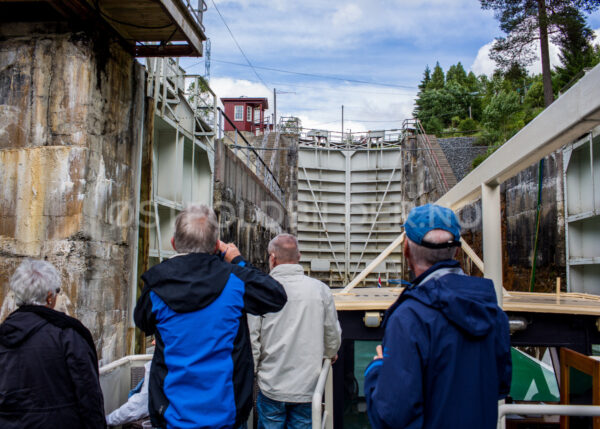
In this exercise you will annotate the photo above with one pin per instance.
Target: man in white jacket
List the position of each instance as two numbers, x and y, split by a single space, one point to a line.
136 406
289 346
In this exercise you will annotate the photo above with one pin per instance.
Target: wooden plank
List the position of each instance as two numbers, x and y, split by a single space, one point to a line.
365 299
183 19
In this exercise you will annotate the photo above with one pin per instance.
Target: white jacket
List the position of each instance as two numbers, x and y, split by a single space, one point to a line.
136 406
289 346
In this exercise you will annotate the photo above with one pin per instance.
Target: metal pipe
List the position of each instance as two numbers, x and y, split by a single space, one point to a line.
317 398
549 410
516 323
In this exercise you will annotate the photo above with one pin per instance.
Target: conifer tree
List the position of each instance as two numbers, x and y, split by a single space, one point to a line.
576 50
525 21
437 78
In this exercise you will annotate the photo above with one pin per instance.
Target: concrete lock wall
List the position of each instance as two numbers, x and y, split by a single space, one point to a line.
71 114
249 214
519 202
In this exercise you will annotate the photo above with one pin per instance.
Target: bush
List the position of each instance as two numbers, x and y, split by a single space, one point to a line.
468 124
433 126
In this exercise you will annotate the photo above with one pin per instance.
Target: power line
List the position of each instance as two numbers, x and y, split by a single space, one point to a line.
322 76
238 45
293 85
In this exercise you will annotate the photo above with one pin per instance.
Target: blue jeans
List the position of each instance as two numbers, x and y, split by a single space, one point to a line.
283 415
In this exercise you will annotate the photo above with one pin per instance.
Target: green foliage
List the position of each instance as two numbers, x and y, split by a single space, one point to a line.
576 50
468 125
456 74
528 21
535 95
501 117
497 107
437 78
433 126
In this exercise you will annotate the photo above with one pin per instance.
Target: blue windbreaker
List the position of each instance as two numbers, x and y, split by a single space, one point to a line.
202 370
446 355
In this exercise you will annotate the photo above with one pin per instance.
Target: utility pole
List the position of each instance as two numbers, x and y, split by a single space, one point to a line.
207 61
342 123
274 109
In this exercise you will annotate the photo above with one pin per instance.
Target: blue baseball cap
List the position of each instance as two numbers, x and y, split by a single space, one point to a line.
425 218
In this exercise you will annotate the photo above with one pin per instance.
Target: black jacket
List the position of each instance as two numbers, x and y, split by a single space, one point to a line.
48 372
202 369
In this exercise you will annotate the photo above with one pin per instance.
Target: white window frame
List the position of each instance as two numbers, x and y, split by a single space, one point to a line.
257 115
238 114
248 113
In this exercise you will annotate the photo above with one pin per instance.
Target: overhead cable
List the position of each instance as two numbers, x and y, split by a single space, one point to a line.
238 45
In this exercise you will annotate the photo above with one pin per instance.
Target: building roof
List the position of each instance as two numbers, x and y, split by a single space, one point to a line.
154 28
255 100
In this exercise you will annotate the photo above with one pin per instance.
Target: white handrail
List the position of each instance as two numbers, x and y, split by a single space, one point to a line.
549 410
319 417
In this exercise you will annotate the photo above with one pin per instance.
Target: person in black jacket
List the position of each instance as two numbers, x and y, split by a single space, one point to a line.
195 304
49 368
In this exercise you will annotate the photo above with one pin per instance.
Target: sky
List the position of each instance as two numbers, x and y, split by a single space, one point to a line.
368 56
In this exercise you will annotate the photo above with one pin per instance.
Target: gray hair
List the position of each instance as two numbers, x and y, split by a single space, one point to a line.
424 256
285 248
32 281
196 230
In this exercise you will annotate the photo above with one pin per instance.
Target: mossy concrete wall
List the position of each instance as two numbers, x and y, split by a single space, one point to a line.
519 197
71 114
250 215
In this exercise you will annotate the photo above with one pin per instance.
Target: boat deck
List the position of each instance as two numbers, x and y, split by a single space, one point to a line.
373 299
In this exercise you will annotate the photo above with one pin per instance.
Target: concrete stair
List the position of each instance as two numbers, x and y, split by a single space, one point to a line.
267 155
445 168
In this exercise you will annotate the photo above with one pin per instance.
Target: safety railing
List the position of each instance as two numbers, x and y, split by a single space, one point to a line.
322 400
415 126
250 156
365 140
196 9
548 410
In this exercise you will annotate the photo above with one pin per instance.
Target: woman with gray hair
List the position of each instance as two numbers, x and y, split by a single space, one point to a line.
49 376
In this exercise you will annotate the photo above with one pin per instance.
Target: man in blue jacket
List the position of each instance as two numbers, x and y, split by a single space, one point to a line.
445 358
195 304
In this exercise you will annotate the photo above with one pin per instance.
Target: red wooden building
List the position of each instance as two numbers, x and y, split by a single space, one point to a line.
248 114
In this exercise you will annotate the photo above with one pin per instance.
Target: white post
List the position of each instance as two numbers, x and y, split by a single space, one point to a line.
492 247
492 236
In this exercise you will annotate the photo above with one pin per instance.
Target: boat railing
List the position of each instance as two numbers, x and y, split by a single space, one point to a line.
548 410
322 400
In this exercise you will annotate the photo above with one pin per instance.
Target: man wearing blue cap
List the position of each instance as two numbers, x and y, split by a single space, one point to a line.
445 358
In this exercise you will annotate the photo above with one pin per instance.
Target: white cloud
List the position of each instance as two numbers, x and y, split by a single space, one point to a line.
226 87
319 105
484 65
346 15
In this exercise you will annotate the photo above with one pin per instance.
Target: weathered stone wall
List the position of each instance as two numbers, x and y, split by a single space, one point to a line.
249 214
71 113
460 152
286 170
419 184
519 202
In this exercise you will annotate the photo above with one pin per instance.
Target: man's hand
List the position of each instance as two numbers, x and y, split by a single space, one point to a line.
334 359
221 247
229 251
379 354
